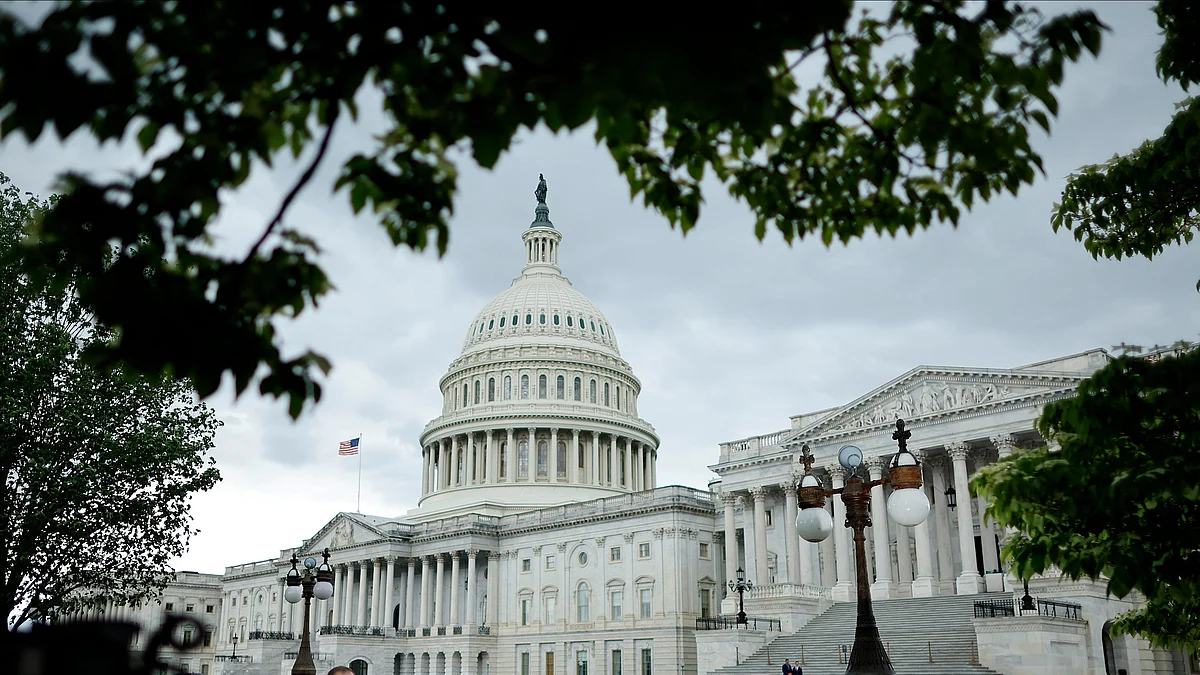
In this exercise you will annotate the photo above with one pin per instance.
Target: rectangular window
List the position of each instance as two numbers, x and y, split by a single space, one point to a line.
560 388
644 550
187 635
614 554
584 613
703 551
524 386
577 387
646 596
526 565
525 612
705 603
189 608
170 607
524 663
185 667
581 662
549 663
208 638
549 562
204 669
614 605
770 518
541 386
551 606
208 609
646 662
616 662
605 393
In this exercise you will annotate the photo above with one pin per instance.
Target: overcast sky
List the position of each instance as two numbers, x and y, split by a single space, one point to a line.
729 336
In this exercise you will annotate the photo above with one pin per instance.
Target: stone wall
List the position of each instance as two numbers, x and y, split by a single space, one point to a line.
716 649
1033 645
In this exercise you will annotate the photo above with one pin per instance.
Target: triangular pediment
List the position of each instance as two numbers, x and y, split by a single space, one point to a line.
343 531
929 392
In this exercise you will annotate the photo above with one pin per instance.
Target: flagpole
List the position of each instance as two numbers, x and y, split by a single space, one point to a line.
358 506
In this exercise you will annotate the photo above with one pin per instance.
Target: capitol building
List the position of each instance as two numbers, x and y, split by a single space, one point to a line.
543 543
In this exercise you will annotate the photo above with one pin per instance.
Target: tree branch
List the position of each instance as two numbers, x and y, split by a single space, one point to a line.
304 178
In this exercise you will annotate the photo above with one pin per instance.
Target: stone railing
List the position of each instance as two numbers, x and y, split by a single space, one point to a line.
731 623
755 443
788 591
370 631
271 635
251 567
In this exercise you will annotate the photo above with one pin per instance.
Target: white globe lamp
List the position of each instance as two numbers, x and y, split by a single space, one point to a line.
323 590
293 594
814 524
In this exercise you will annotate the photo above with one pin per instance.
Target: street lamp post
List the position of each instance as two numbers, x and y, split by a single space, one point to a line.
741 586
235 646
907 506
315 582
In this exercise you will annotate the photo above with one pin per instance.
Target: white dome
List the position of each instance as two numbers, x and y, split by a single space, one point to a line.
540 306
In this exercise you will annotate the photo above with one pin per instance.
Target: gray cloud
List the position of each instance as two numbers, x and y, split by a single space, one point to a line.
728 335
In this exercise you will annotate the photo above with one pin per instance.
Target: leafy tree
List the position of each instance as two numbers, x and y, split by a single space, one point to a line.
1121 499
918 114
1142 202
98 465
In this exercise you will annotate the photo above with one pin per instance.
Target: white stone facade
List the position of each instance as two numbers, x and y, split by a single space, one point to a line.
543 545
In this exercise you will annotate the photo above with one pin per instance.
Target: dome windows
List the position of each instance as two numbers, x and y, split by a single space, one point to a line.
524 386
577 385
602 329
502 322
491 389
542 318
477 388
560 388
541 386
528 319
593 326
515 321
555 319
543 459
592 392
491 324
606 393
570 322
507 387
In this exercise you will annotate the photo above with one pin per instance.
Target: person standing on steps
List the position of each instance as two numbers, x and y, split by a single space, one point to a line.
787 667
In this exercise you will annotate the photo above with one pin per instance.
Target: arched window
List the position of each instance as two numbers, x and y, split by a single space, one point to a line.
577 385
605 393
258 623
524 386
476 392
504 459
523 459
541 386
542 318
491 389
560 388
466 394
592 392
583 612
561 468
507 387
454 401
543 458
359 667
618 397
570 323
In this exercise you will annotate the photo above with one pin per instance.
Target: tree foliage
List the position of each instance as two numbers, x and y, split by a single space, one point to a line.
1121 499
98 465
917 115
1142 202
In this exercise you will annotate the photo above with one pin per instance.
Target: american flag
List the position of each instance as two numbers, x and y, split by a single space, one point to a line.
349 447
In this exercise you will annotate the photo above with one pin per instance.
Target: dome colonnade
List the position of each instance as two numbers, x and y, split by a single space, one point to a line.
539 396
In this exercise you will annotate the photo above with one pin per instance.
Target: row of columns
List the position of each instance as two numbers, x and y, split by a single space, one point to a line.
802 565
495 457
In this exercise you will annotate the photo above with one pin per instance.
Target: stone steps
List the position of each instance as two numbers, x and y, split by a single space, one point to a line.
911 629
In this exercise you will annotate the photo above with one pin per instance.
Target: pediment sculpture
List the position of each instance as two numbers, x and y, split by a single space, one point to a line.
343 534
927 398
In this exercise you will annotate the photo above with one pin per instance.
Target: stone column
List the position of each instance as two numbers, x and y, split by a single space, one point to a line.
348 595
904 562
969 581
470 589
493 583
439 612
455 569
376 597
941 524
426 563
424 470
595 458
924 585
794 563
409 619
731 548
759 495
511 474
388 587
627 466
492 475
653 467
1004 444
339 586
455 450
573 476
882 588
552 472
532 455
843 550
360 617
444 473
613 467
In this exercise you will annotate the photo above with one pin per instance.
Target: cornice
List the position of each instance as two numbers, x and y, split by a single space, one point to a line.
539 418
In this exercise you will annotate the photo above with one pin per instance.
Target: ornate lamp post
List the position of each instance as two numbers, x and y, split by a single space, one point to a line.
235 646
741 586
315 582
907 506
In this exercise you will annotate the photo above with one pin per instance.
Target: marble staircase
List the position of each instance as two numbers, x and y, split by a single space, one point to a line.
913 629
